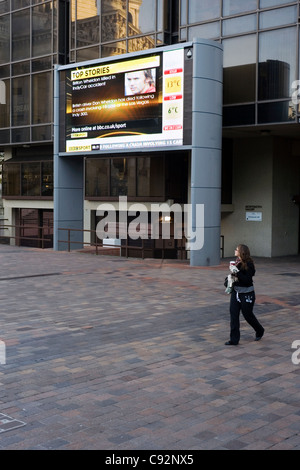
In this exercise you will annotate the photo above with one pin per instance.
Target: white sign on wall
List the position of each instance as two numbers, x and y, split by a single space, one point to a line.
254 216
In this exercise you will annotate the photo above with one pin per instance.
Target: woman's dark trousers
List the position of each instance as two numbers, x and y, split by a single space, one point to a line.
245 303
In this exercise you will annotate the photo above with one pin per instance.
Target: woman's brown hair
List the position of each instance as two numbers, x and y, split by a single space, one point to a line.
244 255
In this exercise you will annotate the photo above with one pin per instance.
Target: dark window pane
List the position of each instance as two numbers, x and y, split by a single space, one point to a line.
4 103
4 6
97 177
4 38
239 115
4 71
41 98
21 68
47 178
150 177
41 133
11 179
5 136
275 112
21 134
41 29
90 53
31 179
239 69
20 101
123 177
277 52
21 35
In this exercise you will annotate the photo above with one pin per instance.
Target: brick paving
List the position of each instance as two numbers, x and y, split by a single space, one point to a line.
125 354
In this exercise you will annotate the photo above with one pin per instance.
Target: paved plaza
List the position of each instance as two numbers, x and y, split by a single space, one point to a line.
105 352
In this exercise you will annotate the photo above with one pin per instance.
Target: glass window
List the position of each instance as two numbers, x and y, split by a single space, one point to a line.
90 53
150 177
16 4
4 71
232 7
276 72
21 35
97 177
87 25
11 179
204 10
21 68
41 30
41 64
20 101
206 31
41 98
4 39
139 44
282 111
4 6
281 16
122 177
113 25
183 18
241 115
242 24
31 179
239 69
41 133
272 3
141 17
4 103
47 178
20 134
114 48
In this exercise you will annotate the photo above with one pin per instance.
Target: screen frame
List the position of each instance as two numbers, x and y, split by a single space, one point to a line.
60 113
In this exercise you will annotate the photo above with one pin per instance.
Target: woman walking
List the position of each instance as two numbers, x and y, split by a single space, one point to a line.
243 296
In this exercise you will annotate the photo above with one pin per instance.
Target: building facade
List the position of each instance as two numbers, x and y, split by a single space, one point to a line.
260 146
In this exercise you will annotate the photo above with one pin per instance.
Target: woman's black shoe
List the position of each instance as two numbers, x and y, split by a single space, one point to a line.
230 343
257 338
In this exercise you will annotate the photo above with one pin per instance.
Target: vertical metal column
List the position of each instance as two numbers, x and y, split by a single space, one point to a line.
206 150
68 187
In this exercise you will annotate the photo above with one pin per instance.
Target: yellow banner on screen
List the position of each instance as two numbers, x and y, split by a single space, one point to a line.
115 67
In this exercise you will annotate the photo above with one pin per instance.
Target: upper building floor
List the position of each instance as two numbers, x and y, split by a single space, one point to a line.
260 40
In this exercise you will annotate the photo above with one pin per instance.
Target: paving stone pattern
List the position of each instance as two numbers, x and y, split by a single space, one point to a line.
112 353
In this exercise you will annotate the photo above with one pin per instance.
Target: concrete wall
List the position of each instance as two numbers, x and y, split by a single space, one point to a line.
266 174
285 221
252 186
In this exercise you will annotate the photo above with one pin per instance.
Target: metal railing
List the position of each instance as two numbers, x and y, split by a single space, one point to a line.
44 237
127 247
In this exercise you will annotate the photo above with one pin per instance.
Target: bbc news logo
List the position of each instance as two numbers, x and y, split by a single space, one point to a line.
2 353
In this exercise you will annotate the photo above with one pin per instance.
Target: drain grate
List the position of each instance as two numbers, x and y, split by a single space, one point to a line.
7 423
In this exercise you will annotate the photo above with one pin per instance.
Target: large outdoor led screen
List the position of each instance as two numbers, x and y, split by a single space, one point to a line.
126 104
